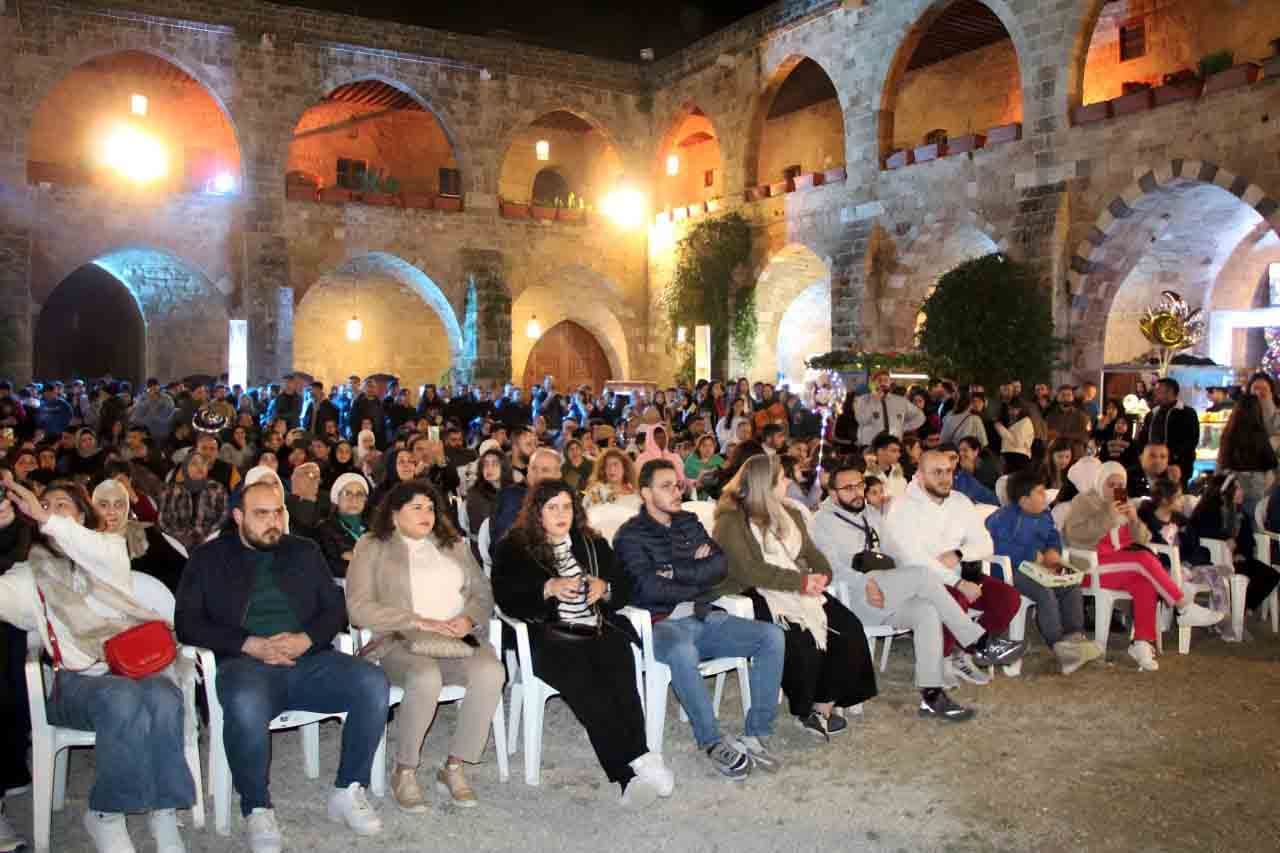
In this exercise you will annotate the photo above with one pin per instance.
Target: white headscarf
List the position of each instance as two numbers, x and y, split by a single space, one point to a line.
345 480
1084 474
361 450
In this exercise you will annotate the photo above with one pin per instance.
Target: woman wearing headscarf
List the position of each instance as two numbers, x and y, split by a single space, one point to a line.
151 552
656 446
86 459
349 508
193 508
1102 518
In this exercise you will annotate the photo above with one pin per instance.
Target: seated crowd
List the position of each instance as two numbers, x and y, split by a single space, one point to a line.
734 521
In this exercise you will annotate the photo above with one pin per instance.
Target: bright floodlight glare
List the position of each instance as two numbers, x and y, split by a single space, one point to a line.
354 329
135 154
624 207
673 165
138 105
533 330
223 183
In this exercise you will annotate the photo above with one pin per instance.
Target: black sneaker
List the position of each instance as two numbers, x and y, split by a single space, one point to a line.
997 652
941 707
815 724
837 724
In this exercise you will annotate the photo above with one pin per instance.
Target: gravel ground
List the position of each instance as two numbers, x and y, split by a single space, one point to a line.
1109 759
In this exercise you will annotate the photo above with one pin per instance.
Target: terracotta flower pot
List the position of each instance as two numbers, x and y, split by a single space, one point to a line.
1136 102
1234 77
1004 133
965 144
898 159
515 210
544 213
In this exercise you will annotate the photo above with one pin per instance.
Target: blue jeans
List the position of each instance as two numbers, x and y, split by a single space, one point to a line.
139 759
252 693
682 643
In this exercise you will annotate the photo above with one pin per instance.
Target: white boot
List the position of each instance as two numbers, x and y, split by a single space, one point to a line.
164 829
1143 655
108 831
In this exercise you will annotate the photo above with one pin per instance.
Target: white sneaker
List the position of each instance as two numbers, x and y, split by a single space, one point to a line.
1143 655
108 831
1198 616
961 666
641 792
651 767
349 805
9 838
263 831
164 829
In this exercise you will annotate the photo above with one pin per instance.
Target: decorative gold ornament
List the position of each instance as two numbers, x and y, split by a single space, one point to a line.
1171 325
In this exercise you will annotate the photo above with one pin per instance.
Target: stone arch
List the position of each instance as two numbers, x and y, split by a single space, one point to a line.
924 14
598 313
91 324
605 153
930 249
408 327
788 274
337 77
764 103
184 315
1127 227
687 111
49 86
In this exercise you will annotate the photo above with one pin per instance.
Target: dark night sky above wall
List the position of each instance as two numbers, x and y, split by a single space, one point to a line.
617 29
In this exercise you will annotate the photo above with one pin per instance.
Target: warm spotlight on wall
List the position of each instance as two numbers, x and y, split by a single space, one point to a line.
625 207
134 154
138 105
542 149
673 165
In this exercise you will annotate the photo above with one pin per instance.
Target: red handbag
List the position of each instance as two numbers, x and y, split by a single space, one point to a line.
141 650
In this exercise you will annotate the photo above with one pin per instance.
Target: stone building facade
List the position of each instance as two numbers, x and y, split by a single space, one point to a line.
1084 193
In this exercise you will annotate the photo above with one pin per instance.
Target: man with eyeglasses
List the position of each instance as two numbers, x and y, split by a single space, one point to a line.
909 595
674 566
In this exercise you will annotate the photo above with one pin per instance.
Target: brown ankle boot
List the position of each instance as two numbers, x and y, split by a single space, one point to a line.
451 781
405 790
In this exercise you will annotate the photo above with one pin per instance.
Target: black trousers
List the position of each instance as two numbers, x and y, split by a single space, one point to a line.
1262 579
15 715
843 674
597 680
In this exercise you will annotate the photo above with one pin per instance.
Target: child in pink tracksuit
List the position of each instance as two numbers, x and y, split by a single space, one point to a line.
1097 520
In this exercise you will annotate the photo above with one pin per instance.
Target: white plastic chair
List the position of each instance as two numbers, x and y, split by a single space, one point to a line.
50 744
1002 489
308 722
1104 601
1262 542
454 693
1017 627
1237 588
464 526
840 589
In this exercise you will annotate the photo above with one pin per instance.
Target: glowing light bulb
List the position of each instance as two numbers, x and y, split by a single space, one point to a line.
138 105
625 207
542 148
354 329
224 183
134 154
533 330
673 165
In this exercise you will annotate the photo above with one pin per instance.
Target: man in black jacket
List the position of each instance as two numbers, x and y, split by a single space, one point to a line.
368 404
1172 424
265 603
319 410
674 564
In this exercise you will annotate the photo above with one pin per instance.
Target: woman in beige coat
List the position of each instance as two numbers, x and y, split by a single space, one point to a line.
414 583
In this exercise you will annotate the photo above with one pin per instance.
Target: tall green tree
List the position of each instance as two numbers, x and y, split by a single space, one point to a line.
702 290
990 320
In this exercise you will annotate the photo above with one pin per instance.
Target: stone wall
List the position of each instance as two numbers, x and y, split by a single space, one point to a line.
695 160
589 164
811 138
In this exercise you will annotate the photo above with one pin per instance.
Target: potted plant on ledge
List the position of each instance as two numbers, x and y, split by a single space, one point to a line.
573 210
380 191
514 209
1181 85
1220 72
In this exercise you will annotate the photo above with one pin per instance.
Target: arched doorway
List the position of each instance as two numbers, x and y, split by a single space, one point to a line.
805 331
133 119
91 325
571 355
936 250
796 278
407 325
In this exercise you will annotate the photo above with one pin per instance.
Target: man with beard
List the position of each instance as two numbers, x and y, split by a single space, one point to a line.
1066 419
908 597
265 603
934 526
880 410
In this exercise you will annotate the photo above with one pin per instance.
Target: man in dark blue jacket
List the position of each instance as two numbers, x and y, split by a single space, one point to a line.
674 564
544 464
265 603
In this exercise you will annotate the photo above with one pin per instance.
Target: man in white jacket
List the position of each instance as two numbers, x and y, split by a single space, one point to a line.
910 597
939 528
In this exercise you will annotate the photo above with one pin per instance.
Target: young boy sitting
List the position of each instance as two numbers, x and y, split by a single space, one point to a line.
1024 530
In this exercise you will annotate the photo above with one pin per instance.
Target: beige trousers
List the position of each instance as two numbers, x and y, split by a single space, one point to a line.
423 678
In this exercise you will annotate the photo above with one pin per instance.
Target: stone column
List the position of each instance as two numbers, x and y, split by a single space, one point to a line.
485 270
849 285
16 322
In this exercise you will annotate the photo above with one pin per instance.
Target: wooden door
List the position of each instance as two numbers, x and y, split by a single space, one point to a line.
571 355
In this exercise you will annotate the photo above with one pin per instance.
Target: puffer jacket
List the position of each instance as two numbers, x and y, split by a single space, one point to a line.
1020 536
650 551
